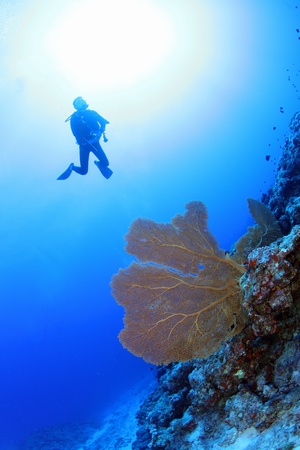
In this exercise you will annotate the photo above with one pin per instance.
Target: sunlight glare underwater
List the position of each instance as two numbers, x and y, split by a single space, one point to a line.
150 54
100 46
109 43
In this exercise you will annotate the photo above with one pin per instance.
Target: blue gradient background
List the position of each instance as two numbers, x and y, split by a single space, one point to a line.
186 132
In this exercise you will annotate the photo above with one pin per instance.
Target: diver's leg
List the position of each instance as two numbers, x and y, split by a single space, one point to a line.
105 170
99 153
84 151
103 163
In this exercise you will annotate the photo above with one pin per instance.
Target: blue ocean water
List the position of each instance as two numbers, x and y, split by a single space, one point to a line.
198 127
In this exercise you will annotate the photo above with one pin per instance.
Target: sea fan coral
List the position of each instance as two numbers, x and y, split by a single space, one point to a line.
182 299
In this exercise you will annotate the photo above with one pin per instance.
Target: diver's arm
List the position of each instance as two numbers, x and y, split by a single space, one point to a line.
103 122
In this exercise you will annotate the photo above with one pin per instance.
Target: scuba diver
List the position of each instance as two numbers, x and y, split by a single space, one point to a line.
87 126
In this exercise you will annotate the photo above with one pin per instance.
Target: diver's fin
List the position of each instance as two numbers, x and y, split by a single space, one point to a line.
106 171
66 173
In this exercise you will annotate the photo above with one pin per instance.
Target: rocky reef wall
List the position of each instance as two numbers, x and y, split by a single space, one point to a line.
283 198
247 394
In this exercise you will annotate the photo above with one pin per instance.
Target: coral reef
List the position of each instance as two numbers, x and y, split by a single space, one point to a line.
247 394
283 198
245 387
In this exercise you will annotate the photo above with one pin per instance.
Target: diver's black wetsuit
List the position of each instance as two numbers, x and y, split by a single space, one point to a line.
87 126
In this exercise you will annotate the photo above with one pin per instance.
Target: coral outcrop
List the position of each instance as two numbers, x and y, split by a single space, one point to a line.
266 231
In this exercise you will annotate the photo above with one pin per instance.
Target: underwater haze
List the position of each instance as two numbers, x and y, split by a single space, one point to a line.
199 95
